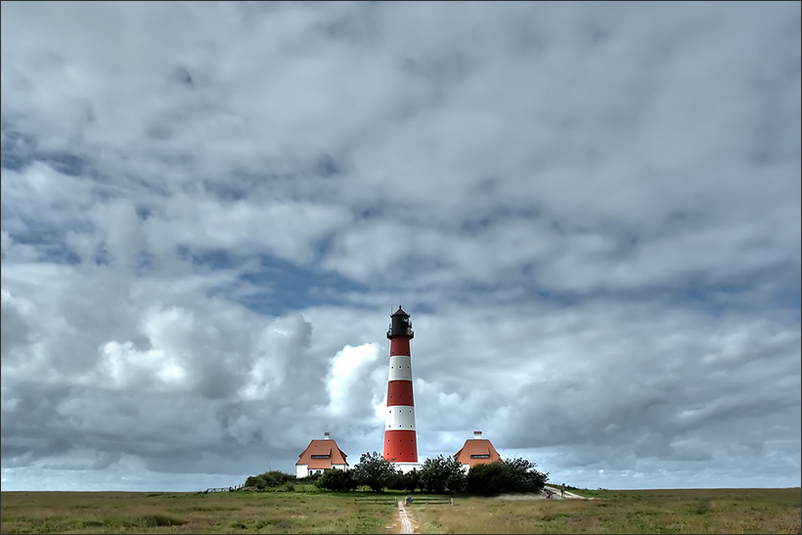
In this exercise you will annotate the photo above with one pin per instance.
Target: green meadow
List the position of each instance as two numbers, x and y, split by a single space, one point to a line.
309 511
641 511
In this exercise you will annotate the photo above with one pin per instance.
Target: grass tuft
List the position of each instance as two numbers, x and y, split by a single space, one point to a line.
160 519
702 508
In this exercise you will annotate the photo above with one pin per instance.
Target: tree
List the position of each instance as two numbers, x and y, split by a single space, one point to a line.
337 480
510 475
524 477
442 473
488 479
409 481
374 471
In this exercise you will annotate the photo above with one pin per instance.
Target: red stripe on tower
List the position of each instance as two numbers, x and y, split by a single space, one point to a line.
400 440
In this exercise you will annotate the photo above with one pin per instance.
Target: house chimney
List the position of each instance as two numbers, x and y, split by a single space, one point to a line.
326 435
477 434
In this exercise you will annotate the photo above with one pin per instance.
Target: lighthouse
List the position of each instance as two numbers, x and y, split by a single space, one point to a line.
400 440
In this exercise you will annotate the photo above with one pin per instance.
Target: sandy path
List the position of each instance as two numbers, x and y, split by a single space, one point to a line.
406 525
555 491
555 495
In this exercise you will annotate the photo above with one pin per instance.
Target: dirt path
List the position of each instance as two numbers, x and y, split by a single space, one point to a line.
555 491
555 495
406 525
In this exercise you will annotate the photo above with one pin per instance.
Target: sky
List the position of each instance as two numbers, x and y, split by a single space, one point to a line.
591 212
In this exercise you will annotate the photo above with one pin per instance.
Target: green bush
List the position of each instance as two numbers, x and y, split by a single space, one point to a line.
512 475
274 478
337 480
488 479
310 479
374 471
442 474
408 482
524 476
158 520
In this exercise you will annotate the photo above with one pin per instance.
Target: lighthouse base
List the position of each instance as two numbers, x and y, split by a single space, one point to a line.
406 468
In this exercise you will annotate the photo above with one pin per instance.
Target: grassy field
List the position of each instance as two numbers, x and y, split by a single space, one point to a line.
225 512
642 511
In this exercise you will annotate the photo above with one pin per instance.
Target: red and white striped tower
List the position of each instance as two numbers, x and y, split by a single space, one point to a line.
400 440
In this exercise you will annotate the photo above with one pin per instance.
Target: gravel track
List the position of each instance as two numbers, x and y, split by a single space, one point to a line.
406 525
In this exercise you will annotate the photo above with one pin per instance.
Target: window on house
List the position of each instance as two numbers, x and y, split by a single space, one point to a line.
320 456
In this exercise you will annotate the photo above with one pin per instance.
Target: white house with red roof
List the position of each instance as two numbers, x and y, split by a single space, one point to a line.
319 455
477 450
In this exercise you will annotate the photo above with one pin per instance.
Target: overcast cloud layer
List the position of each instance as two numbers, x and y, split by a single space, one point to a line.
591 212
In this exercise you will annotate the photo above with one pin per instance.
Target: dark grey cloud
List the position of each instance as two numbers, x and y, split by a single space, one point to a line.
590 210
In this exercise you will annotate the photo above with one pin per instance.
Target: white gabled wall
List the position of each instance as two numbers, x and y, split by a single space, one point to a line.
302 470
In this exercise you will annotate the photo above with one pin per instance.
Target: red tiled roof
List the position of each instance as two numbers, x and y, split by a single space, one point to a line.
322 447
477 446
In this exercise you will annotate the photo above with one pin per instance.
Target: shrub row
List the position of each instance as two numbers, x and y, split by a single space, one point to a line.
437 476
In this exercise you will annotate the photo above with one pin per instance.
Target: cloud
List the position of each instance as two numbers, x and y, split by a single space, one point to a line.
348 378
590 211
